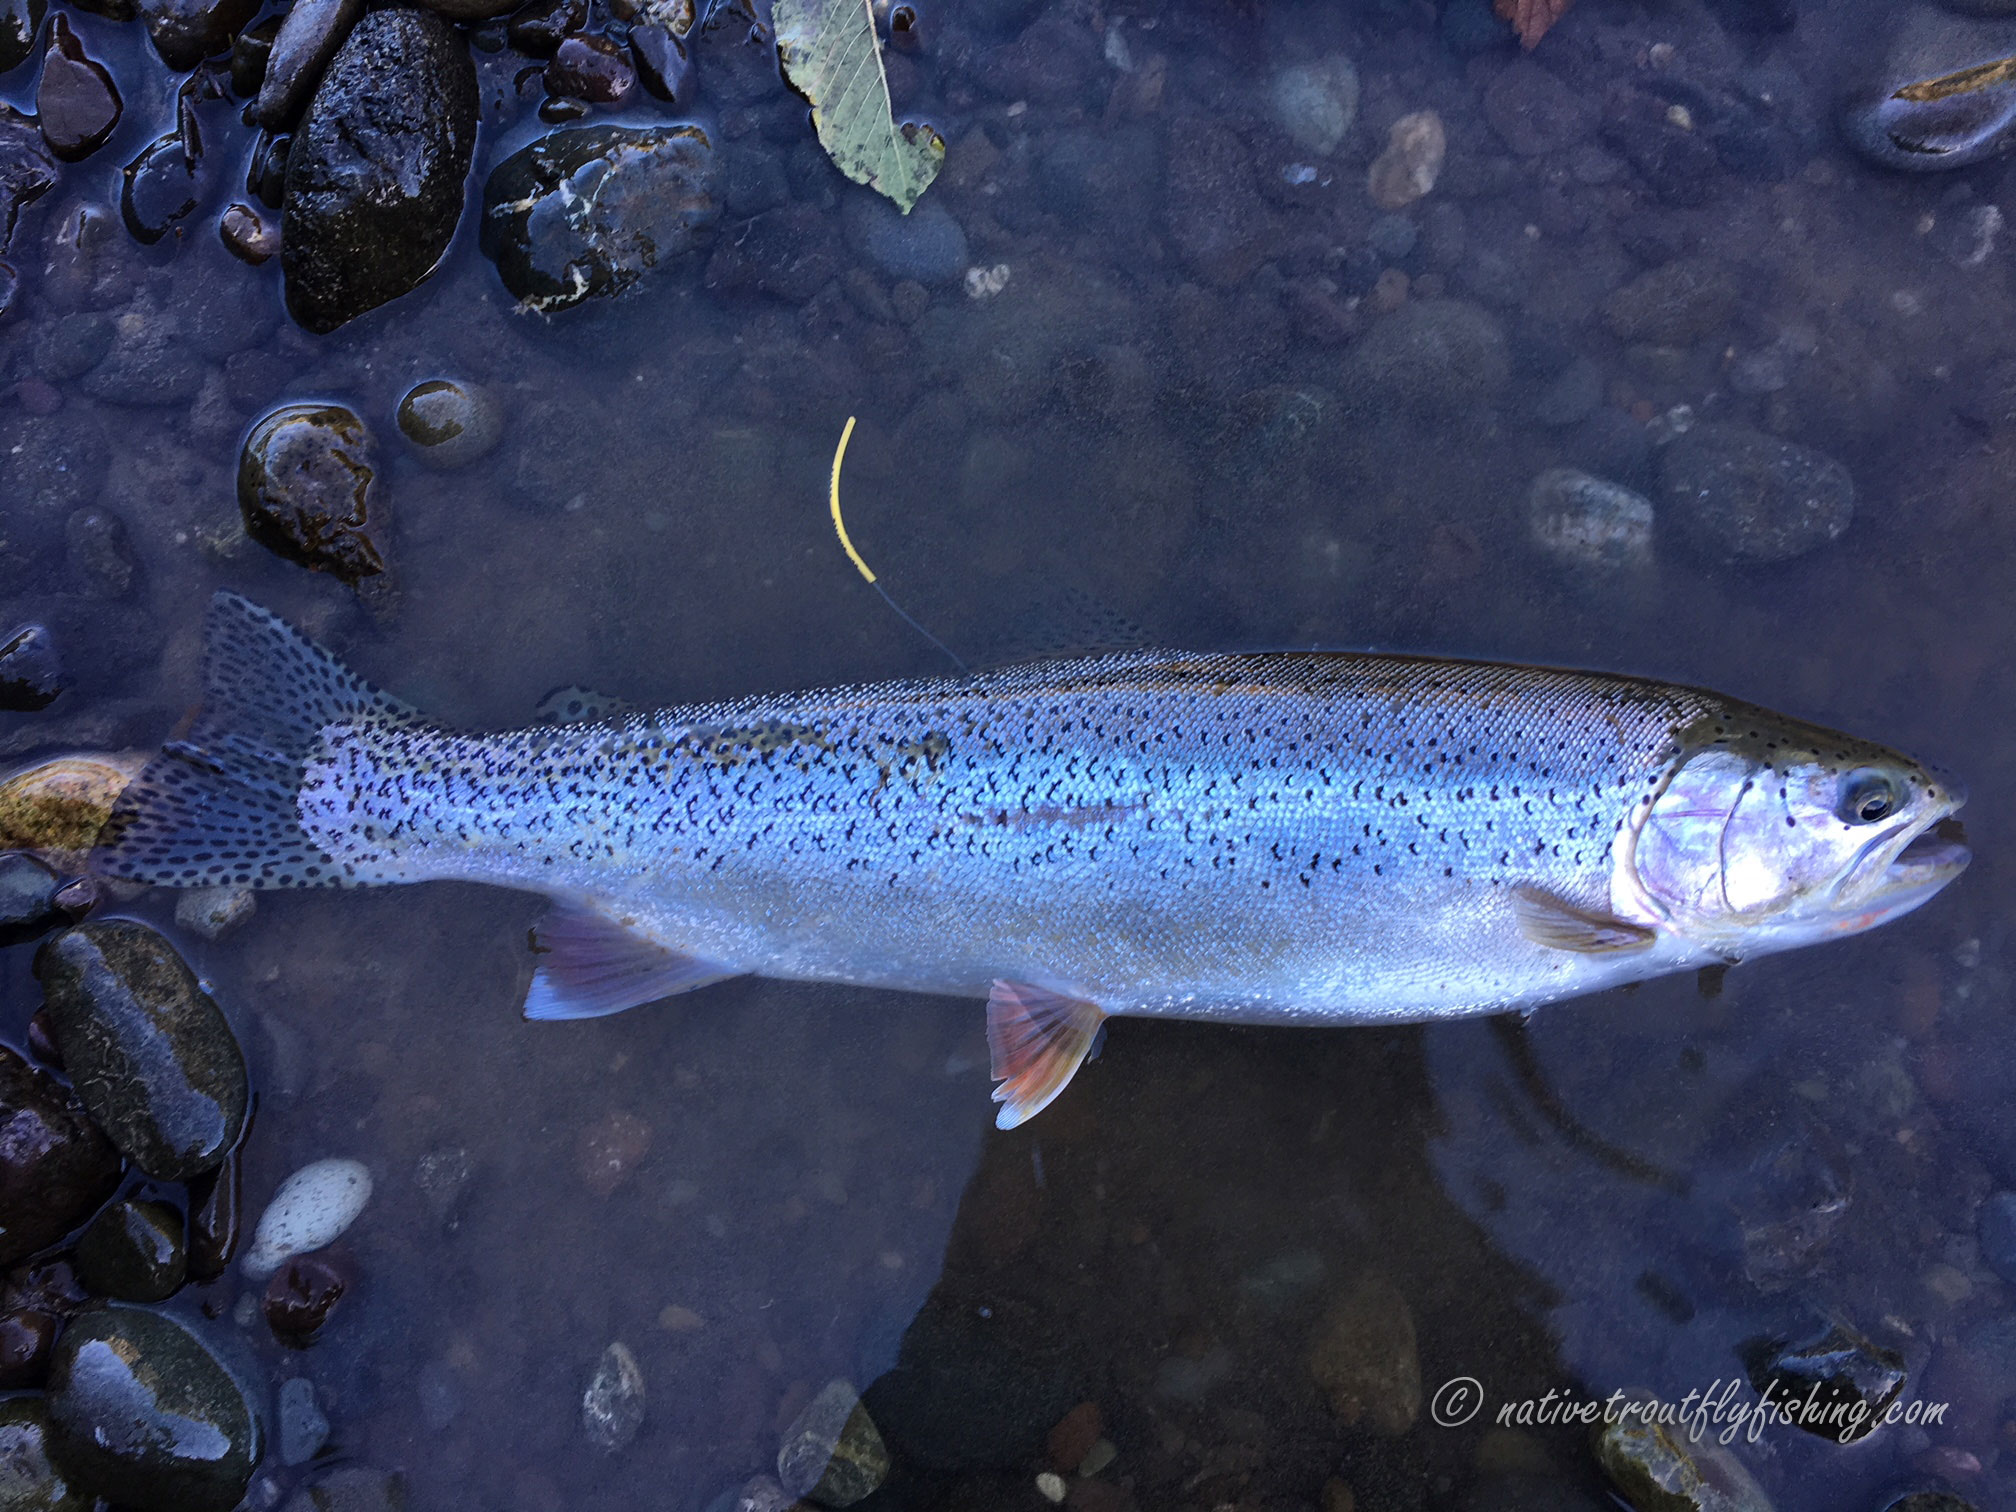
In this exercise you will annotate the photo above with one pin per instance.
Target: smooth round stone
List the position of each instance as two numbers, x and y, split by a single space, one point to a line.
31 675
1589 524
27 898
450 424
55 1167
308 38
1995 1226
1922 111
311 1209
213 912
1316 103
28 1482
144 1414
185 32
926 245
303 1429
216 1199
1743 496
305 489
133 1251
1430 356
300 1298
76 101
27 1334
149 1052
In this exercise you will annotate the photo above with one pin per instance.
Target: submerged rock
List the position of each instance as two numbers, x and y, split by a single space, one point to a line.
1412 162
27 168
1837 1383
1589 523
150 1054
1364 1358
450 424
28 905
309 37
612 1408
1661 1466
133 1251
143 1413
213 912
31 674
926 245
55 1166
300 1298
303 1428
832 1453
305 489
185 32
1316 103
311 1209
76 102
216 1200
27 1335
1430 356
591 68
375 173
1743 496
1995 1227
28 1481
586 213
1676 304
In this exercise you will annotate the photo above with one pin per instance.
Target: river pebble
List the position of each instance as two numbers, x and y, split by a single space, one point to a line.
1676 304
1846 1377
216 1201
311 1209
612 1408
306 491
56 808
832 1453
309 36
1316 102
27 1336
31 673
213 912
28 906
185 32
927 245
1588 523
301 1297
151 1055
1653 1464
303 1429
142 1413
76 101
1430 356
28 1482
1363 1357
19 21
1942 129
450 423
591 68
55 1166
133 1251
1742 496
537 29
1411 165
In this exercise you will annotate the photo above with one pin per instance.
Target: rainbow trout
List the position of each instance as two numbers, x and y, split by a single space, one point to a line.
1284 838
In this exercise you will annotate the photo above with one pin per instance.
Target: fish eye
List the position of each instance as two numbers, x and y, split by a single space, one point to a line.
1868 797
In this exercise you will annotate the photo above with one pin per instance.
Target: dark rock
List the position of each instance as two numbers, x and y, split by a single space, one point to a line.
133 1251
1216 219
71 345
1743 496
185 32
1535 112
27 170
143 1413
27 898
664 63
787 254
450 424
588 212
28 1481
49 1286
148 363
612 1408
54 1166
252 55
76 102
1469 28
19 21
266 171
301 1296
353 1488
1904 119
249 236
216 1218
832 1453
1430 356
591 68
375 174
309 37
27 1335
1840 1382
305 490
31 674
558 110
1663 1466
1995 1226
41 1043
538 29
100 561
1676 163
1676 304
926 245
150 1055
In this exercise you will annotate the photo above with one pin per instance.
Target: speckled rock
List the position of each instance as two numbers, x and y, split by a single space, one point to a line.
1676 304
149 1053
312 1208
213 912
1316 102
586 213
832 1453
612 1408
1742 496
375 174
134 1251
305 489
55 1167
144 1414
28 1482
1430 356
1364 1358
1588 523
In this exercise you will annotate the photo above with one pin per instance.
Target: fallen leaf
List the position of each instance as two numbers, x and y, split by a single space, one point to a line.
833 57
1531 18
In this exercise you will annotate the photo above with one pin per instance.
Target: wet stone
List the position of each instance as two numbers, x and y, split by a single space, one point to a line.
308 38
1841 1381
27 168
97 554
303 1428
1661 1467
152 1057
1364 1358
27 1335
538 29
55 1167
450 424
145 1415
301 1296
1430 356
251 53
133 1251
664 63
1676 304
185 32
926 246
216 1209
249 236
213 912
71 345
1535 112
19 21
76 101
31 674
1743 496
1588 523
591 68
586 213
375 173
832 1453
305 490
1411 165
41 1043
612 1408
147 365
1928 130
1316 102
312 1208
28 1481
56 808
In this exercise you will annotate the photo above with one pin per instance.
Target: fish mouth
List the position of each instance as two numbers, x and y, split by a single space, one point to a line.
1895 873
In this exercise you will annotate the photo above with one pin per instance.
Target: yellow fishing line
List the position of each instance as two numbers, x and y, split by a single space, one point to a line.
833 498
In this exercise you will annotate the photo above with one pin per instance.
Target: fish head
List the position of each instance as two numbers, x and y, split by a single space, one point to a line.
1763 834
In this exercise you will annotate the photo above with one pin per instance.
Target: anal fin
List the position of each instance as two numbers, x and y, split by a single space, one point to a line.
1037 1039
591 965
1560 925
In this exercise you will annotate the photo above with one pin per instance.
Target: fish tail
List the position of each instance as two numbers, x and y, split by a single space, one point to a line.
221 806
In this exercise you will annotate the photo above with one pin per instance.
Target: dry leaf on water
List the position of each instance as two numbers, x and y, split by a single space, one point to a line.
1531 18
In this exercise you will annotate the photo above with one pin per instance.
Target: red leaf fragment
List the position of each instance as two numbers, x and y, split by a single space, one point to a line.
1531 18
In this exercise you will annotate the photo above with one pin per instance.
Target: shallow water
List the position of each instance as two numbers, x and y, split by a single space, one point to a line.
823 1194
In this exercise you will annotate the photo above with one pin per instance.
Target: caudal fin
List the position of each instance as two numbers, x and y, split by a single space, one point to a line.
220 806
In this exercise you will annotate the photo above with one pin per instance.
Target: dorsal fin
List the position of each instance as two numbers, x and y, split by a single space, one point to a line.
591 965
1037 1039
1560 925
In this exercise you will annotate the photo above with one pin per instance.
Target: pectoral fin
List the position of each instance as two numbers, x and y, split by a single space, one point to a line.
1560 925
1038 1039
591 965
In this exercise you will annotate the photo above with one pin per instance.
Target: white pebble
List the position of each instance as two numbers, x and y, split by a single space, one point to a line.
313 1206
1050 1486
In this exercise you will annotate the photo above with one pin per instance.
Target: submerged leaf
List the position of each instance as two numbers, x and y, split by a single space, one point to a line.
1531 18
832 55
